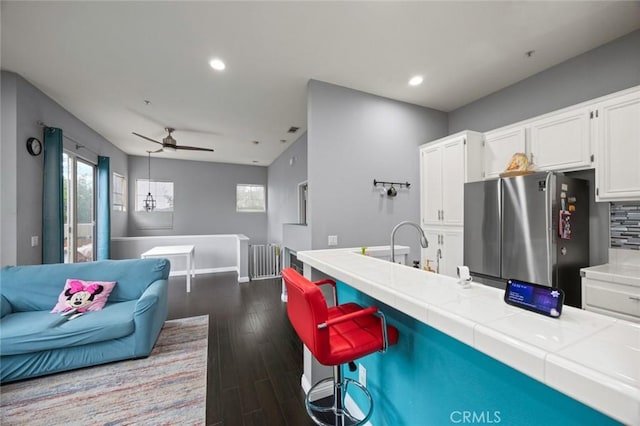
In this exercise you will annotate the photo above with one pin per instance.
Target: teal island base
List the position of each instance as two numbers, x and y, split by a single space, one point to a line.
429 378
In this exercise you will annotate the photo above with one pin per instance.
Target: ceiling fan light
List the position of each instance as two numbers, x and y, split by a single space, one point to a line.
168 148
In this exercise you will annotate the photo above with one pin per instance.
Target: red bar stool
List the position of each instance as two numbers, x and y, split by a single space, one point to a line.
335 335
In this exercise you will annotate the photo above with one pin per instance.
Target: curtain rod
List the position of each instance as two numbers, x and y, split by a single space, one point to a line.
78 144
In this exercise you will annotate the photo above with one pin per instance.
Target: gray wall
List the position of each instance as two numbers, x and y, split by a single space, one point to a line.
353 138
31 106
283 180
8 172
612 67
204 198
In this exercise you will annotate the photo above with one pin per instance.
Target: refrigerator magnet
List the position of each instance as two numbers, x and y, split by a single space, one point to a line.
564 225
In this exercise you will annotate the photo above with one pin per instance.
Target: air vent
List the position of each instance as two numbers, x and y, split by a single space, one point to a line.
293 129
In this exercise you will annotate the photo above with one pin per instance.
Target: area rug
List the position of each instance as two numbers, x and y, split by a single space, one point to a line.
168 387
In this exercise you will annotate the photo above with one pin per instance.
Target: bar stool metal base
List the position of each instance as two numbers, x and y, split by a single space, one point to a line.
337 414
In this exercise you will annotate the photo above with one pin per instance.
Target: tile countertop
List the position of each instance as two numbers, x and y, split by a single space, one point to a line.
616 273
590 357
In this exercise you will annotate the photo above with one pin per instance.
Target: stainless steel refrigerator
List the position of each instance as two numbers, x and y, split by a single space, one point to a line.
533 228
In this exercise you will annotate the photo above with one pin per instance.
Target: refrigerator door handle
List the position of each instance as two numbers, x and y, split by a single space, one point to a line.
547 208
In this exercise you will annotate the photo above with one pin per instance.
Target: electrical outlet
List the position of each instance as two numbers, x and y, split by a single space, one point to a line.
34 241
362 375
333 240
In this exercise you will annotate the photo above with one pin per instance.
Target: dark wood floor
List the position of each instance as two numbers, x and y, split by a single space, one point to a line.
255 357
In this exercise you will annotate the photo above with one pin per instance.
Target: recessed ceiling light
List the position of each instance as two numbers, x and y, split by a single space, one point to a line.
217 64
416 80
255 142
529 53
283 140
254 161
147 102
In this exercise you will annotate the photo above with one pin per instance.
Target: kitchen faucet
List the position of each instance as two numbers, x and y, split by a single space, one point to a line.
423 239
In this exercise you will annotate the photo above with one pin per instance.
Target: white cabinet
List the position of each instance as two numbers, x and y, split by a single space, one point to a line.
561 141
499 147
431 184
555 141
445 165
609 298
445 251
618 152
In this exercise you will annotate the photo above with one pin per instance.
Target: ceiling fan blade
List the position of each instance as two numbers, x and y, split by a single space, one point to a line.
193 148
156 151
144 137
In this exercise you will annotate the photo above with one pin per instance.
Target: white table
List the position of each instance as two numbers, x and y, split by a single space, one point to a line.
168 251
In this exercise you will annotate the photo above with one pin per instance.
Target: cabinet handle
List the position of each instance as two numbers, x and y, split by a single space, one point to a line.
442 214
636 298
443 240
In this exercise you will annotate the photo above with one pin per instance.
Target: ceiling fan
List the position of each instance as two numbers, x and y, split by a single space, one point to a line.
169 143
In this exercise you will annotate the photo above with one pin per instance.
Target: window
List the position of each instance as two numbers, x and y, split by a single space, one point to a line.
119 196
250 198
161 191
79 198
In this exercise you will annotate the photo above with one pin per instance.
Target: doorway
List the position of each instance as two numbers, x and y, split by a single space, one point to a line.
303 189
79 201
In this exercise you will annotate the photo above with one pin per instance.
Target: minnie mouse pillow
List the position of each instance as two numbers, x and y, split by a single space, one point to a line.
83 296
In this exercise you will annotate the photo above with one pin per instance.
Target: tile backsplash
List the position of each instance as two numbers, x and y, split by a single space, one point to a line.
625 226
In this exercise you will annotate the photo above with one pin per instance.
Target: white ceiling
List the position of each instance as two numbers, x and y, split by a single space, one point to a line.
101 60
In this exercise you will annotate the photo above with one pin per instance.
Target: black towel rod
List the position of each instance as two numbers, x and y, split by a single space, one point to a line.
383 183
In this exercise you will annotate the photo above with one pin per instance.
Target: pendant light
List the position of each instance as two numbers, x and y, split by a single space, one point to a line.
149 203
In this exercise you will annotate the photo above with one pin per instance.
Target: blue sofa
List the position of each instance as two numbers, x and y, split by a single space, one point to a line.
35 342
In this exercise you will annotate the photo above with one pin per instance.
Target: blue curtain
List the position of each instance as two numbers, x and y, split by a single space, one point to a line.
52 200
103 212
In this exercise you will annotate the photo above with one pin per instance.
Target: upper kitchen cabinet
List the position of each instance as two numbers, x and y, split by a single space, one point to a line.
561 141
618 148
445 165
500 145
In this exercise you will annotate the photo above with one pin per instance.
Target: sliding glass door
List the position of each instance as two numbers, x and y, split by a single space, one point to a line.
79 198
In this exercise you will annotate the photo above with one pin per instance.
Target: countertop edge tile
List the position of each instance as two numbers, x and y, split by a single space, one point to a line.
526 358
621 402
452 324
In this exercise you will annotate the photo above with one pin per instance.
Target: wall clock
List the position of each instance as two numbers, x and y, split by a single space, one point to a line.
34 146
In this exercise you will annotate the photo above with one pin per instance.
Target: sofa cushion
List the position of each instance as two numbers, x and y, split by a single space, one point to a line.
83 295
36 287
25 332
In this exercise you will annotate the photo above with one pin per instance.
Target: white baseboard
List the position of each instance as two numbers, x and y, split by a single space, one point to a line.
350 404
304 382
204 271
323 391
211 271
265 278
